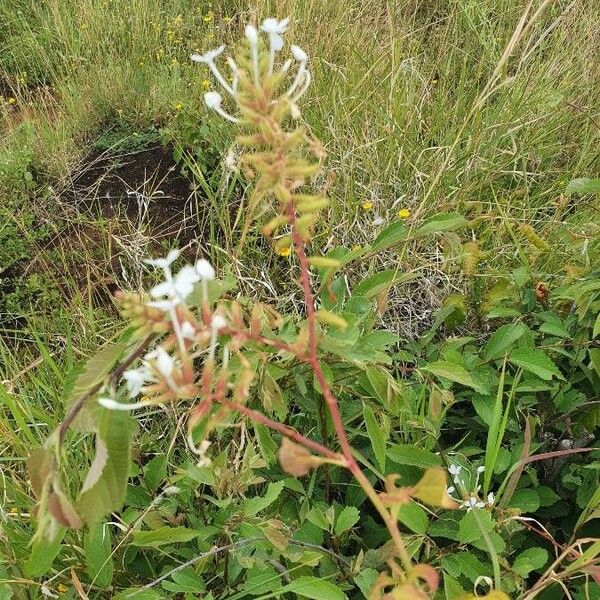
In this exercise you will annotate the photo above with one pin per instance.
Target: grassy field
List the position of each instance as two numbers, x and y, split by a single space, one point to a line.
487 108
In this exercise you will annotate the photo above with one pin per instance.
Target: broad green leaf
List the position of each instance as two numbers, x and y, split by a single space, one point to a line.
315 588
184 581
97 553
163 535
316 516
453 372
381 382
535 361
377 434
583 185
104 488
347 519
503 339
95 370
253 506
43 553
532 559
452 589
5 592
470 526
381 282
406 454
441 223
465 564
413 516
526 500
365 580
393 234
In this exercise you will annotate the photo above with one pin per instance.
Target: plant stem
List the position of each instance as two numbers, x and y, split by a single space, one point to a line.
313 359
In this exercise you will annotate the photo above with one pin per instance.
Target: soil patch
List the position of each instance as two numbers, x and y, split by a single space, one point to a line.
144 186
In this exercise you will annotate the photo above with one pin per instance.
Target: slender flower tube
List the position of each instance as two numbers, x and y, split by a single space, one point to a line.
213 101
302 90
300 56
208 58
252 37
111 404
274 29
235 73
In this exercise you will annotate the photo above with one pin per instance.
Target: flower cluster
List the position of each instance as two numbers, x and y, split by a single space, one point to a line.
261 69
469 499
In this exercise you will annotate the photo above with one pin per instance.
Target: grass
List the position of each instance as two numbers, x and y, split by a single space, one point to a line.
484 107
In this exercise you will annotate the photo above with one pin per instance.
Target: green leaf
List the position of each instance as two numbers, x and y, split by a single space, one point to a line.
393 234
535 361
365 580
406 454
530 560
526 500
470 526
184 581
381 282
163 535
316 516
104 488
465 564
347 519
253 506
315 588
97 553
138 594
503 339
441 223
453 372
413 516
583 185
43 553
377 434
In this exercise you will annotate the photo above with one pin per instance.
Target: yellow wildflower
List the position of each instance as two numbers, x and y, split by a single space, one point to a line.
367 205
404 213
208 17
205 84
226 19
179 106
356 247
174 61
284 250
62 588
12 100
13 510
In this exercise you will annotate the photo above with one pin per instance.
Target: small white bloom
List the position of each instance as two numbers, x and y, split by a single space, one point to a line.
205 270
188 331
251 34
163 263
451 489
454 470
164 305
208 57
299 54
274 29
218 322
213 100
111 404
491 499
135 379
471 503
163 361
378 220
47 592
480 469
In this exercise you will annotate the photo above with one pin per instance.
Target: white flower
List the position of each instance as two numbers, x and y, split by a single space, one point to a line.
111 404
163 263
180 287
135 379
299 54
163 361
454 470
491 499
46 591
251 35
188 331
480 469
164 305
275 29
450 489
218 322
471 503
378 220
208 57
205 270
213 100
